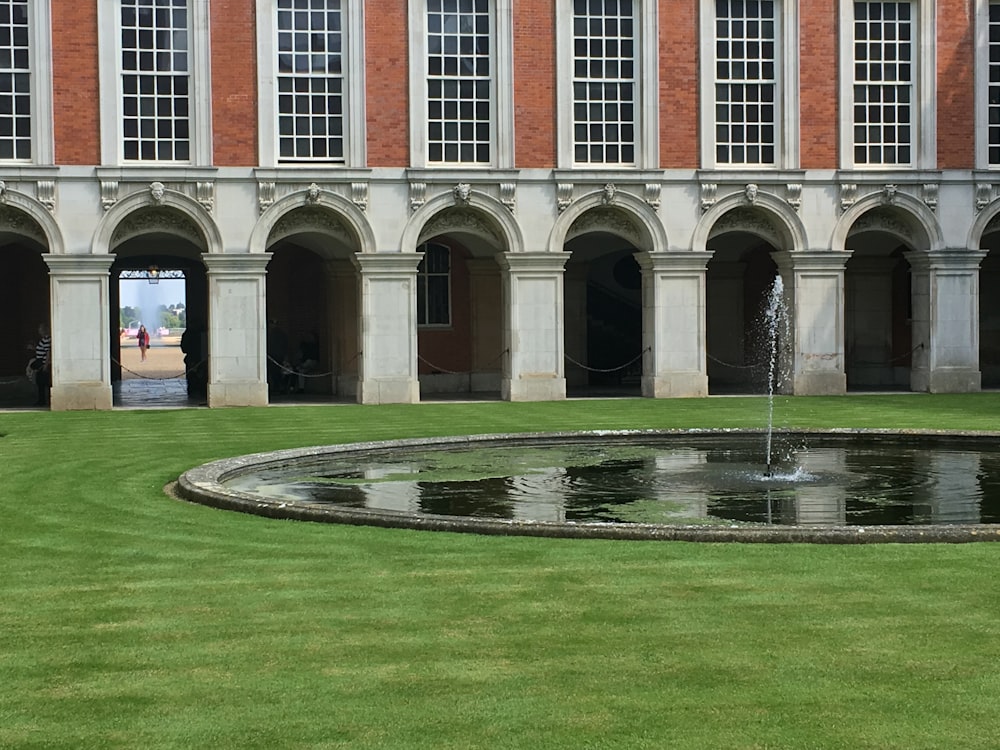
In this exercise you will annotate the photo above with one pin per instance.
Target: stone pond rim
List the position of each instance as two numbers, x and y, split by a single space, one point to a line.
204 485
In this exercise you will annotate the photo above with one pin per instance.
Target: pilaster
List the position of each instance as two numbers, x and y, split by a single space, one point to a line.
81 344
946 320
388 370
673 324
237 328
817 305
533 326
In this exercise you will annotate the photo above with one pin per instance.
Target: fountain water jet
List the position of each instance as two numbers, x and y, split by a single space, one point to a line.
776 322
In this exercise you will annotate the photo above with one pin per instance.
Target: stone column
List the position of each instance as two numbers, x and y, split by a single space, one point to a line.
817 307
946 320
80 306
237 329
533 326
388 371
673 324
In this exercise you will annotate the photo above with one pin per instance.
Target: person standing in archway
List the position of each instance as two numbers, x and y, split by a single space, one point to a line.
143 339
42 364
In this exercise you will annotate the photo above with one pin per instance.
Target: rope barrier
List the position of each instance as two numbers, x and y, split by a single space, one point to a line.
183 374
463 372
610 369
289 370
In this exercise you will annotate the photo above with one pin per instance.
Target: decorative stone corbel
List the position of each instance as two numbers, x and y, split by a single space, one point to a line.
608 193
651 194
3 191
46 190
848 195
156 192
359 195
564 195
930 195
508 195
793 195
205 193
889 195
265 195
984 194
418 195
462 192
750 192
109 193
709 191
313 193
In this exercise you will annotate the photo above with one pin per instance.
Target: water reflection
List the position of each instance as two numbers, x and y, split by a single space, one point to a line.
828 481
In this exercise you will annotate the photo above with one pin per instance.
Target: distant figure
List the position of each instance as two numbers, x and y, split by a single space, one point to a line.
308 361
277 357
143 338
42 364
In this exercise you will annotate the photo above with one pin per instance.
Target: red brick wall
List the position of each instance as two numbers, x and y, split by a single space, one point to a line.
234 83
75 90
387 106
955 84
818 74
534 84
678 85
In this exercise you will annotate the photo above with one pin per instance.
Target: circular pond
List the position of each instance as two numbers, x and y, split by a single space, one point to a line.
839 486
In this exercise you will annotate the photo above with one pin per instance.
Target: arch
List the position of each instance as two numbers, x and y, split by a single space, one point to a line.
981 224
40 215
500 216
654 236
910 207
355 219
178 201
794 231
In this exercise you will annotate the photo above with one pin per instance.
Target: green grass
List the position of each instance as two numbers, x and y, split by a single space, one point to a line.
131 620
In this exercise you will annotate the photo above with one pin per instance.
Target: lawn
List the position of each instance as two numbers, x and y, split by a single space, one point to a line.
132 620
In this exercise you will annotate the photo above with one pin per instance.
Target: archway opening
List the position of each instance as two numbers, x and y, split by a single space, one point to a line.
459 317
989 311
878 330
603 317
24 306
738 280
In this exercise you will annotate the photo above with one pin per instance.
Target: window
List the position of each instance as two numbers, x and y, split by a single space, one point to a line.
310 81
883 82
155 55
434 286
604 81
992 77
745 82
155 80
15 82
609 113
749 84
888 113
461 83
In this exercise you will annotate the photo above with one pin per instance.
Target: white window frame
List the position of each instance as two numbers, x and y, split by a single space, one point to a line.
924 139
423 279
647 106
200 87
502 125
982 85
786 94
40 64
353 61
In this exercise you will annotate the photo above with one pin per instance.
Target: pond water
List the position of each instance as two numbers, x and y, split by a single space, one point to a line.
699 479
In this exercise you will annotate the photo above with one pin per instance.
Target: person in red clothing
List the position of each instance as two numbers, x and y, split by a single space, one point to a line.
143 339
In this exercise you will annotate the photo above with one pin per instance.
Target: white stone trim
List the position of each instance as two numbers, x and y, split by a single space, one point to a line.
924 140
786 145
502 126
647 146
42 135
200 90
353 59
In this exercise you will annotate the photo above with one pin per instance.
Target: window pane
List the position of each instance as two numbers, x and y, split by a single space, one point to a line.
15 81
